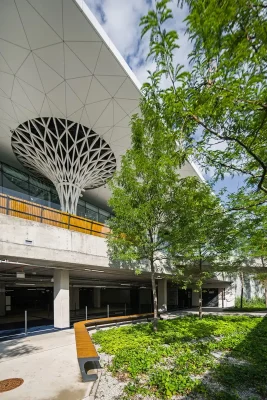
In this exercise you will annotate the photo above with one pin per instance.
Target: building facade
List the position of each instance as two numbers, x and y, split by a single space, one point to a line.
66 100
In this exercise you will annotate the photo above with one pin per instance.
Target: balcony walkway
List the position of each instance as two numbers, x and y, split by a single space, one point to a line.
35 212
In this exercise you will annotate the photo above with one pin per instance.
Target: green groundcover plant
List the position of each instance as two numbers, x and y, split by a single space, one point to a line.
218 357
255 303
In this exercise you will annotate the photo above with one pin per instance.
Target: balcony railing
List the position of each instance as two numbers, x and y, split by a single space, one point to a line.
35 212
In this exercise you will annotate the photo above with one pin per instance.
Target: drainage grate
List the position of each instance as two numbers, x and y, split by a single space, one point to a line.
10 384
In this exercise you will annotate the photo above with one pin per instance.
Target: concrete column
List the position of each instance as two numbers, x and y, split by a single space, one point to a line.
97 298
162 295
61 299
74 298
2 300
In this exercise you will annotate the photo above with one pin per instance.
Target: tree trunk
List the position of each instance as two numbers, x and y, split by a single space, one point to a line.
242 289
155 299
200 312
265 292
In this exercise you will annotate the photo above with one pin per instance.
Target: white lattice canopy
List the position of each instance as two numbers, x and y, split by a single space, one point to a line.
57 61
72 156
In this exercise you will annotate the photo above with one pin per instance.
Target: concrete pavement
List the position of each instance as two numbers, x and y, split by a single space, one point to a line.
47 363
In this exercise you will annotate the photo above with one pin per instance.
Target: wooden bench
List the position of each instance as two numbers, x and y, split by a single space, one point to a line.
87 355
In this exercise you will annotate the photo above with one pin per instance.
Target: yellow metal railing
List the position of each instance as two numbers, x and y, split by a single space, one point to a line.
35 212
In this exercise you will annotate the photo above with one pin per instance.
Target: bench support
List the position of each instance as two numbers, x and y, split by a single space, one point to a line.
87 364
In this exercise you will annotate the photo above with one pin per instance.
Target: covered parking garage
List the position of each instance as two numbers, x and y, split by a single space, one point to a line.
92 293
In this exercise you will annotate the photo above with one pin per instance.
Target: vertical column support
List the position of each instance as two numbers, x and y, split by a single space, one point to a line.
2 300
97 298
61 299
162 295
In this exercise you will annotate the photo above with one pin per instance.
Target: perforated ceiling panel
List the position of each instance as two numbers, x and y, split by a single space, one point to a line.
55 61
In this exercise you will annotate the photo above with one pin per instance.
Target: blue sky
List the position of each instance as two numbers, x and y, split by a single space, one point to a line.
120 19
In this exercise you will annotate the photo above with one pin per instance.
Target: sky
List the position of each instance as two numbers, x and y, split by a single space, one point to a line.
120 19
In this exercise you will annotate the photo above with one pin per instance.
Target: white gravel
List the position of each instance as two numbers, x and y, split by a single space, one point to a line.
109 388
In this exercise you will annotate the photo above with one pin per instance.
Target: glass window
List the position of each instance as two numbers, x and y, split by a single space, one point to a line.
54 197
103 217
91 214
15 172
80 211
18 184
14 186
1 180
39 195
91 207
81 203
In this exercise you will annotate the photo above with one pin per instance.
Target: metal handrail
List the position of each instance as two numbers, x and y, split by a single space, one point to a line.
44 219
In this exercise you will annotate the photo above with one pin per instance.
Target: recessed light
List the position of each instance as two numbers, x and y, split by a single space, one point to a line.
20 275
93 270
25 284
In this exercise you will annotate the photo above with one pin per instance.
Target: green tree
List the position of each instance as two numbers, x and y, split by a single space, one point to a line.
219 109
262 278
144 194
251 248
250 253
203 239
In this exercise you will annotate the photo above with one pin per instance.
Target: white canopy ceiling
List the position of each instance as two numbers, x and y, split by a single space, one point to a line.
56 60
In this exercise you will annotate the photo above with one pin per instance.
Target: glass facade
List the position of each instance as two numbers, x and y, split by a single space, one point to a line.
27 187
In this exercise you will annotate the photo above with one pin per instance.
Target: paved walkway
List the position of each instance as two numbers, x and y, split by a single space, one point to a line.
212 311
47 363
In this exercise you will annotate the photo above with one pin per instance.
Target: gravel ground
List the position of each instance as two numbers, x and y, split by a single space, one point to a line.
109 388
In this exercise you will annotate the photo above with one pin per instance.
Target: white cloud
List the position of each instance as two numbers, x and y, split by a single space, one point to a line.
120 19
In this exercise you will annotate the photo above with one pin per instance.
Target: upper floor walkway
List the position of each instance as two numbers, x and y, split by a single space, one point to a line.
32 233
16 207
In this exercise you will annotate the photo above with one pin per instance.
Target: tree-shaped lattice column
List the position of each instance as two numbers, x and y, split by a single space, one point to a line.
72 156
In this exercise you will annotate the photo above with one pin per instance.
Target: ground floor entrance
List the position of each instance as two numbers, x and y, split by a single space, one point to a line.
210 297
178 297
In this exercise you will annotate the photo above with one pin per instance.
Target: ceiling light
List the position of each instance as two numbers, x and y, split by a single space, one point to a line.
125 284
142 287
96 270
89 286
20 275
25 284
93 270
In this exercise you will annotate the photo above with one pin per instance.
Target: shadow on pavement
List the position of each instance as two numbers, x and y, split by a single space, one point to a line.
15 348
